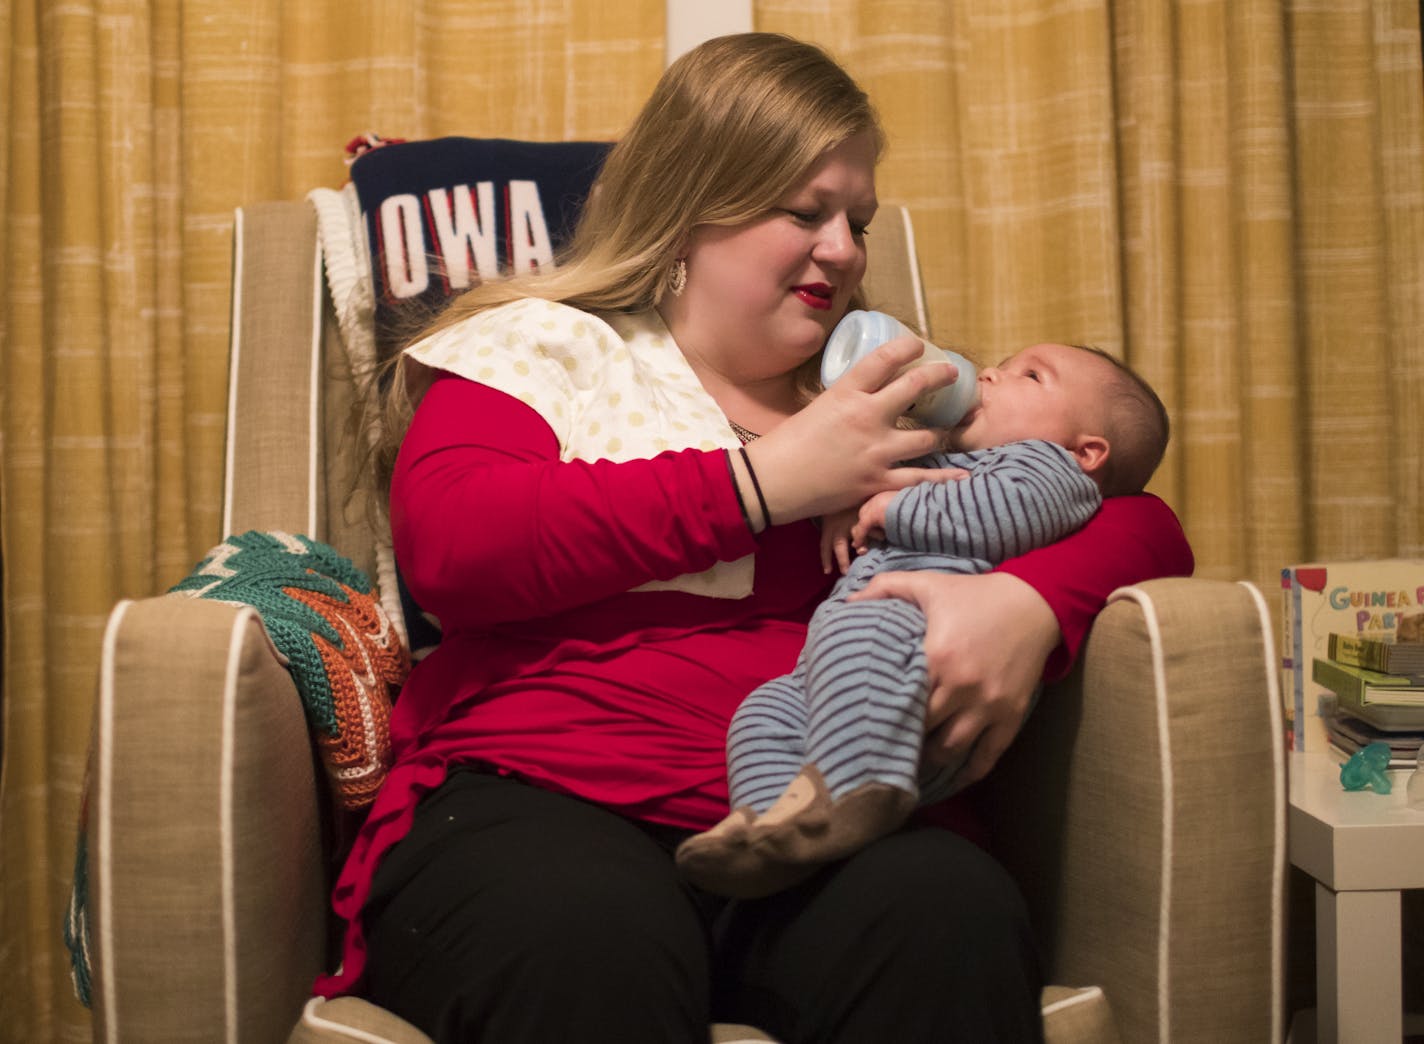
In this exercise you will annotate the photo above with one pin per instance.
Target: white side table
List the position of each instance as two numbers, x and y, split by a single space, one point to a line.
1362 849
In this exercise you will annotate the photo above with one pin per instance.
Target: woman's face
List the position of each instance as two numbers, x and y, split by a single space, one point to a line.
763 296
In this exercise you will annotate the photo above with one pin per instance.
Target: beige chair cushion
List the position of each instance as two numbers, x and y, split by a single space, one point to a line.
204 834
1137 788
1077 1016
1070 1016
352 1019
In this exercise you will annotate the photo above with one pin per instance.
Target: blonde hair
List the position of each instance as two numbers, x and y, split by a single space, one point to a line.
731 128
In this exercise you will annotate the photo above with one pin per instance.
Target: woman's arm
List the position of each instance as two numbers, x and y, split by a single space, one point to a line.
1129 540
991 639
490 526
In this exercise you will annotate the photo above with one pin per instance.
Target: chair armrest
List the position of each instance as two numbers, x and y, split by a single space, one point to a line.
1142 809
206 879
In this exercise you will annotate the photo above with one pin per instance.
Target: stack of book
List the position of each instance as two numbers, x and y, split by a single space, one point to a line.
1380 599
1379 695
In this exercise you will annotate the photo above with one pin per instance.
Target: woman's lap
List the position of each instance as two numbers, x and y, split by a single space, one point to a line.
921 936
511 913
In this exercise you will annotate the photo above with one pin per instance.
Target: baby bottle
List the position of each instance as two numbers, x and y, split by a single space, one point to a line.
860 333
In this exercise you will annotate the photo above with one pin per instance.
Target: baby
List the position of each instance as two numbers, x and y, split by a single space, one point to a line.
827 758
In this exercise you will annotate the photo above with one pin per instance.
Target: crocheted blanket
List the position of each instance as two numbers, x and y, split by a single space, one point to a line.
343 654
334 638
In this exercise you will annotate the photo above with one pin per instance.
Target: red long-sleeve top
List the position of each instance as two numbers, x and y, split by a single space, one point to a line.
553 669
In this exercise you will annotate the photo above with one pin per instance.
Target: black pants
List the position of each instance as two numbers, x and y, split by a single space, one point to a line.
513 914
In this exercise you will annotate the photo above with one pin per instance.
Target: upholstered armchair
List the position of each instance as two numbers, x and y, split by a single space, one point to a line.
1142 809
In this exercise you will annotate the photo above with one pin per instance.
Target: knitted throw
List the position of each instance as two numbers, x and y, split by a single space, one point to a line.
343 654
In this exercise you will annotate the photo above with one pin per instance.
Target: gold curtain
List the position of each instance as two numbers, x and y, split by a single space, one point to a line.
1227 193
132 128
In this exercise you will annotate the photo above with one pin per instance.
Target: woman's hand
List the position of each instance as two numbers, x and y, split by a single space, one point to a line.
844 446
987 638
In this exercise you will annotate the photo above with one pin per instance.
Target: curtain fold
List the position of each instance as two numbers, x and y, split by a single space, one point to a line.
1227 193
132 130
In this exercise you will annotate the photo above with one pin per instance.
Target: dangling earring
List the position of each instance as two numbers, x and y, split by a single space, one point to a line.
677 278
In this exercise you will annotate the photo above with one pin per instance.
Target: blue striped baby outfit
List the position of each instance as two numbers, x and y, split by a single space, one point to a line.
854 705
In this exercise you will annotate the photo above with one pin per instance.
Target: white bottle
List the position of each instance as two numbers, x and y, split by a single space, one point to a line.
860 333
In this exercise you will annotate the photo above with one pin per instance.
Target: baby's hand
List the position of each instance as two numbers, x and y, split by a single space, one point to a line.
836 539
870 524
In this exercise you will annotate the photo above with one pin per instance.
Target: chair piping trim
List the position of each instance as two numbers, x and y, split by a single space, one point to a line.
234 355
1278 874
922 319
1164 746
104 868
316 1022
240 624
314 389
1084 995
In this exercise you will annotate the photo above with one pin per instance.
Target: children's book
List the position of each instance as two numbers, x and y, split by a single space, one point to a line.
1350 735
1397 657
1386 701
1364 599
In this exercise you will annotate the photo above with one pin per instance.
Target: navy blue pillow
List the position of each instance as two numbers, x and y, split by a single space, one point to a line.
442 214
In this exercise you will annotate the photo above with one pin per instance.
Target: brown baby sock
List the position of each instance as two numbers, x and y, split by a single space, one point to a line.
722 860
837 828
803 830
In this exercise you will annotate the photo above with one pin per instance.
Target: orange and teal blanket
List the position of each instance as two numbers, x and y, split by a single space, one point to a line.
344 656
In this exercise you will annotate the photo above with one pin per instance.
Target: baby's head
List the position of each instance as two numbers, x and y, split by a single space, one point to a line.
1081 398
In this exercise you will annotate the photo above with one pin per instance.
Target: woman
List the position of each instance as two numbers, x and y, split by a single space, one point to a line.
607 494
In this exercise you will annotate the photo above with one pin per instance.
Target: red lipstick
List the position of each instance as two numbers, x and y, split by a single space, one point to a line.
816 295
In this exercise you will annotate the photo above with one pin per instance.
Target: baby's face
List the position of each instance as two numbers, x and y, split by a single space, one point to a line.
1049 391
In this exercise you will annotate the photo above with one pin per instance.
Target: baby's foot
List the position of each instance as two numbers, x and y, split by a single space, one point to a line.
707 858
828 829
802 831
734 829
724 860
